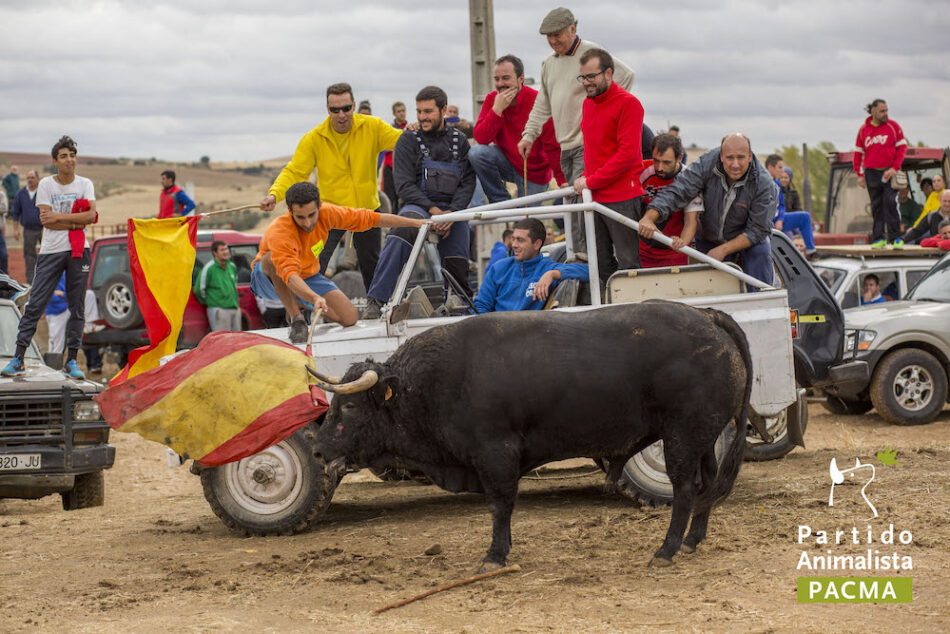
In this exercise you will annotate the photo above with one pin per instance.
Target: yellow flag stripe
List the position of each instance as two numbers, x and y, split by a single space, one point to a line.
218 401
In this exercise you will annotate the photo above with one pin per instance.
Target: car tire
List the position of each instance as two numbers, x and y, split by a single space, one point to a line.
781 443
843 407
88 491
117 303
282 490
909 387
644 480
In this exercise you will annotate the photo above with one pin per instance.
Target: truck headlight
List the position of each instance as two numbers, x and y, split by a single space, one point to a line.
849 337
86 411
864 339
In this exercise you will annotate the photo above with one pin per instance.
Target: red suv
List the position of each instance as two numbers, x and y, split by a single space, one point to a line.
110 278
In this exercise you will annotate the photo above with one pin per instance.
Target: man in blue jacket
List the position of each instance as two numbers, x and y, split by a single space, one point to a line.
27 214
524 281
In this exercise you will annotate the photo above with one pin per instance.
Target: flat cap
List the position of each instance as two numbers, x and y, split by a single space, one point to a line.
557 20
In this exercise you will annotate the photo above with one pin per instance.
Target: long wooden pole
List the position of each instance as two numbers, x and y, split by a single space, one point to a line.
226 211
448 586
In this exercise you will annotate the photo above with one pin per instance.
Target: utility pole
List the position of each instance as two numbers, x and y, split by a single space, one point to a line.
806 183
482 25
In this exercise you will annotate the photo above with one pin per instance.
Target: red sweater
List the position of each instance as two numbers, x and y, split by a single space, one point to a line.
505 132
879 147
935 241
612 124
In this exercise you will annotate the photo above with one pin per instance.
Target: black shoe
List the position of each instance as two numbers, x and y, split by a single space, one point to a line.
298 331
373 309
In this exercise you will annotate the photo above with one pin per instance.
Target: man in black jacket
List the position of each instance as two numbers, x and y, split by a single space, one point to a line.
433 177
930 226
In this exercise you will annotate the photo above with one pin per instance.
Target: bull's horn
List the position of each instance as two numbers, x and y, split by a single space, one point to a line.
327 378
361 384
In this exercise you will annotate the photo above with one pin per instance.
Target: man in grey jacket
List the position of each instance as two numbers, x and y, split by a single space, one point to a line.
739 201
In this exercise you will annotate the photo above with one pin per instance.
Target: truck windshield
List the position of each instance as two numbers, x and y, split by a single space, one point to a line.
935 287
8 329
830 276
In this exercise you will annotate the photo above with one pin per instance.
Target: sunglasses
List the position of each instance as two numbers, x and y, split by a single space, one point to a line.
338 109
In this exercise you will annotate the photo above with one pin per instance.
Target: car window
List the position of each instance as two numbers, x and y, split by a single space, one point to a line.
851 295
9 325
110 259
888 281
830 276
935 286
914 276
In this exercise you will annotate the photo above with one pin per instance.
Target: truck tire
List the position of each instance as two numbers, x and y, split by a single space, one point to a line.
781 445
843 407
909 387
117 303
279 491
88 491
644 478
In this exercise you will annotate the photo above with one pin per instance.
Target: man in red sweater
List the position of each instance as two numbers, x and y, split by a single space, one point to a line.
878 153
611 122
496 159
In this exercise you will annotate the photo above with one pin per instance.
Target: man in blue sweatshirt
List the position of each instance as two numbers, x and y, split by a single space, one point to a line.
524 281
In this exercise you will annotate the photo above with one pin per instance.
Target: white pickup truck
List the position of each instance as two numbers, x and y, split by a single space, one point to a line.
285 488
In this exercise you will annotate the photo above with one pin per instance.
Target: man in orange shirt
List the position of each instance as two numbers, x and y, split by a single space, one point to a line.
288 264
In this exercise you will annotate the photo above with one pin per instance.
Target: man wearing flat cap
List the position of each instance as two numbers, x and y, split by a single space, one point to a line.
561 97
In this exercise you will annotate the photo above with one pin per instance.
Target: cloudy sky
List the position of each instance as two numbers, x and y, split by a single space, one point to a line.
244 79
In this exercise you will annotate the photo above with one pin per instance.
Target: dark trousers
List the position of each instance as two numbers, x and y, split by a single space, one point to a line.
755 261
389 187
4 263
367 250
883 207
49 268
453 250
31 240
618 246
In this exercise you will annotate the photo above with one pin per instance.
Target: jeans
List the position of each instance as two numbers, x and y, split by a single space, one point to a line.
453 250
367 250
800 221
755 261
224 319
494 170
883 207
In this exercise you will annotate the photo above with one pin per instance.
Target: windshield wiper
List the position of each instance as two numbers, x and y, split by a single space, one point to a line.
931 299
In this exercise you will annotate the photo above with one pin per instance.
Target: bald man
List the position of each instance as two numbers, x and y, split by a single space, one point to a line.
739 200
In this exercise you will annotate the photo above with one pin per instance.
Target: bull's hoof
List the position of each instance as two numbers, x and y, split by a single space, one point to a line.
489 566
687 548
660 562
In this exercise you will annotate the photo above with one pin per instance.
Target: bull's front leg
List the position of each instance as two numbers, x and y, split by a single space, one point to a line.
500 504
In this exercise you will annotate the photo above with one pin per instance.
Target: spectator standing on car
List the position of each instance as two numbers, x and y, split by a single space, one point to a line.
26 214
433 177
871 290
931 224
878 154
389 185
561 98
172 200
524 281
344 150
216 288
504 114
61 250
612 124
11 182
287 266
665 166
739 201
57 315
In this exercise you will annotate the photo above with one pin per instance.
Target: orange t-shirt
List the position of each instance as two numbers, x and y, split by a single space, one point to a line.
294 251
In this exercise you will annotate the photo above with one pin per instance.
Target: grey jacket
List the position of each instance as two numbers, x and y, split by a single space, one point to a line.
745 208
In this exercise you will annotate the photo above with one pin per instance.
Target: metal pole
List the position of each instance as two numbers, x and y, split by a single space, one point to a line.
482 33
806 184
592 266
406 273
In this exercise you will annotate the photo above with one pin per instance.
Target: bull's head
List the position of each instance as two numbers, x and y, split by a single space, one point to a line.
355 427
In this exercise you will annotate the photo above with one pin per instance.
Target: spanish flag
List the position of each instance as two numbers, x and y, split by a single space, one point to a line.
234 395
162 257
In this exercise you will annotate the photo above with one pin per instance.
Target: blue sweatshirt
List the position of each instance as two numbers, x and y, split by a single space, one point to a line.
58 304
780 208
498 252
508 284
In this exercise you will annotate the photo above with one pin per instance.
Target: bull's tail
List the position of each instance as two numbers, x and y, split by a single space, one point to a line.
719 489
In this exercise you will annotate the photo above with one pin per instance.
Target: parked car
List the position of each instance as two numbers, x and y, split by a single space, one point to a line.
897 274
52 438
110 278
907 346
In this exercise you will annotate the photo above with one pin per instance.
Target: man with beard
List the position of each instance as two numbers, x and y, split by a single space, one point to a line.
878 153
498 129
612 123
681 225
433 177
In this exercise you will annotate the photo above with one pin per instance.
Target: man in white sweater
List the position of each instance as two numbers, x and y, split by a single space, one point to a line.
561 97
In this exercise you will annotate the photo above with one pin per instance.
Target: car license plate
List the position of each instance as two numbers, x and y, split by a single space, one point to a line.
20 462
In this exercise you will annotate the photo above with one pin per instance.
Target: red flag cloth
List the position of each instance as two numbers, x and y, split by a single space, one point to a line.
77 237
234 395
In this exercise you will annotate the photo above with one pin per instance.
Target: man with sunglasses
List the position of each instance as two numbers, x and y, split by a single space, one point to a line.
344 150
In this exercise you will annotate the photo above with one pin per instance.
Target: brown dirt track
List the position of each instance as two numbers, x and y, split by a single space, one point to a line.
155 558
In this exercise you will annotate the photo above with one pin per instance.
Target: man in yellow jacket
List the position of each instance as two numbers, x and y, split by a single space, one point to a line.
344 149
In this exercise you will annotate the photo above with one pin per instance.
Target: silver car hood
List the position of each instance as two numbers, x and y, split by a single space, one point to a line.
906 311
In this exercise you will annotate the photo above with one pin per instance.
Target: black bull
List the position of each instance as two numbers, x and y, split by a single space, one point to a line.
477 404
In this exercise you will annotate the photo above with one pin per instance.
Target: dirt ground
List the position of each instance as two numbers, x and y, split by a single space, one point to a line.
155 558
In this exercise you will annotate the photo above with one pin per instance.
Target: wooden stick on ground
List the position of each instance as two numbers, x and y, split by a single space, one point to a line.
449 586
225 211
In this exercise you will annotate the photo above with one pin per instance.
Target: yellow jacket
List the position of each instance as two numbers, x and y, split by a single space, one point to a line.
931 204
351 184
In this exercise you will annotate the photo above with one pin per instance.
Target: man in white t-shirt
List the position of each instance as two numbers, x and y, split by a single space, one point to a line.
64 249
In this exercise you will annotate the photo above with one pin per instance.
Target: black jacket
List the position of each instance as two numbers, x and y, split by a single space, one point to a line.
407 167
928 226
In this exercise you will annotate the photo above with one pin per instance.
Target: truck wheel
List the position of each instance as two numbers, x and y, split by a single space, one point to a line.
842 407
89 490
117 303
909 387
758 451
279 491
644 478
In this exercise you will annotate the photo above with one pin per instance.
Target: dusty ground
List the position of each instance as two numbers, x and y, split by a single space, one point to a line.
155 558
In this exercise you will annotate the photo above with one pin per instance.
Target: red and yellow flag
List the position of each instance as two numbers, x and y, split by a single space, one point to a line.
234 395
162 257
